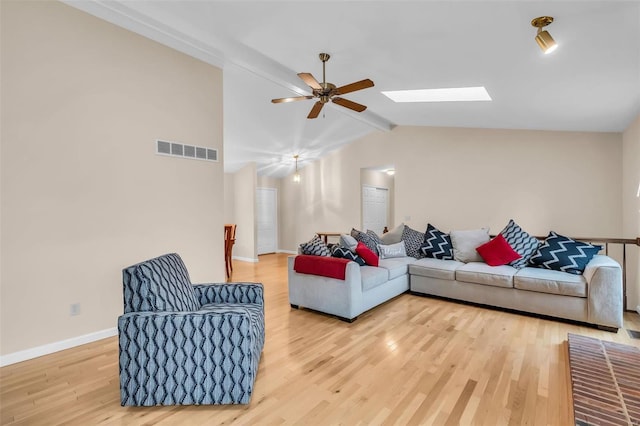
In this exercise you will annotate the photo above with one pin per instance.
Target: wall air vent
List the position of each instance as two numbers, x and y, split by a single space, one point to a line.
190 151
164 147
175 149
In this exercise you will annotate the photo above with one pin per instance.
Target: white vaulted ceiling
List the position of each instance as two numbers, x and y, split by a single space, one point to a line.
590 83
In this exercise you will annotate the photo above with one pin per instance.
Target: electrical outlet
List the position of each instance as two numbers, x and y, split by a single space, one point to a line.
74 309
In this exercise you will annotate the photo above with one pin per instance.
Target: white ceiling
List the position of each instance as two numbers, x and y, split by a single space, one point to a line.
590 83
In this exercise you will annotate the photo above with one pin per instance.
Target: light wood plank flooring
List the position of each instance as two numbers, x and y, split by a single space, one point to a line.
413 360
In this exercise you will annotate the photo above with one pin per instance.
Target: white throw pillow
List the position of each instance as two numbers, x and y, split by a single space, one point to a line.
465 243
393 236
392 250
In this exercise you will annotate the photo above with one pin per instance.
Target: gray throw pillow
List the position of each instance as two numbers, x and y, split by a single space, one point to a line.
348 242
393 236
465 244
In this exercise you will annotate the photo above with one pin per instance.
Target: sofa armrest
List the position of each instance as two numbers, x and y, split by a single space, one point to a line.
330 295
229 293
167 357
604 286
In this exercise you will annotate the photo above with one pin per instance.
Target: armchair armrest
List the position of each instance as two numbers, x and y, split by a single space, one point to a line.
203 357
229 293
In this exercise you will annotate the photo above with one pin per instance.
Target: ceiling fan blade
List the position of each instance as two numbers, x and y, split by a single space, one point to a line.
358 85
349 104
315 111
295 98
310 80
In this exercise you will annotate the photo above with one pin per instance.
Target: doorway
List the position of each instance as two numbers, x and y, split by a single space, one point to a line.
267 220
375 206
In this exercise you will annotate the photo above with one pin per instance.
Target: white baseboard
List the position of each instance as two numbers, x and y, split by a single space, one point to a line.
56 346
245 259
287 251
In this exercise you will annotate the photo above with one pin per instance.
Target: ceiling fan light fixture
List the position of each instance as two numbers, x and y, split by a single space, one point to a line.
327 92
543 38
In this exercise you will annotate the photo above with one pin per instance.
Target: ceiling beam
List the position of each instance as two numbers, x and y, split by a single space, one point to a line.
218 52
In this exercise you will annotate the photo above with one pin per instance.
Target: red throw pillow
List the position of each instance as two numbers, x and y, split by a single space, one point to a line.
497 252
365 252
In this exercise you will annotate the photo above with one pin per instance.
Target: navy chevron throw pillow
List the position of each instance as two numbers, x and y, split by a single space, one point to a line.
561 253
345 253
437 244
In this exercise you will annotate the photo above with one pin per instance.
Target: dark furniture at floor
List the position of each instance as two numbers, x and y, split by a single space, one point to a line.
229 241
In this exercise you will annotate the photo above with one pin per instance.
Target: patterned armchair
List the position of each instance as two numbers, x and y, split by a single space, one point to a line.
183 344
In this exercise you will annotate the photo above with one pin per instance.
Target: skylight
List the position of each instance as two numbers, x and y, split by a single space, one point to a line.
454 94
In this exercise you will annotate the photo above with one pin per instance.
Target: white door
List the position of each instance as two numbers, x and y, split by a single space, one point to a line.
375 206
267 218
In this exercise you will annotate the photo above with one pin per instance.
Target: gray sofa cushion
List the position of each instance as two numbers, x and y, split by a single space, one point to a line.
548 281
396 266
435 268
481 273
373 277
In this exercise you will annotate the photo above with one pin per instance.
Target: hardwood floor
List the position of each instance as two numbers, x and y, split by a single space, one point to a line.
413 360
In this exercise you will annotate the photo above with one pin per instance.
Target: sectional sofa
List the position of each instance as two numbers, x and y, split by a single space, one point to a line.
594 297
363 288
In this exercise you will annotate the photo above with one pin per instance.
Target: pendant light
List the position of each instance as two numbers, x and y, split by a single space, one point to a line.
296 175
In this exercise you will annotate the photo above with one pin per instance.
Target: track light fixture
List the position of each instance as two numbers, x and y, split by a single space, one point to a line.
543 38
296 175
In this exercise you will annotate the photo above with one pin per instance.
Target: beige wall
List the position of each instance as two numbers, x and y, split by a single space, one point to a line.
327 198
631 208
244 200
229 198
83 194
467 178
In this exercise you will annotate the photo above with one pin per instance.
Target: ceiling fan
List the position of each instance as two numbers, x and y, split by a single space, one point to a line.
326 92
